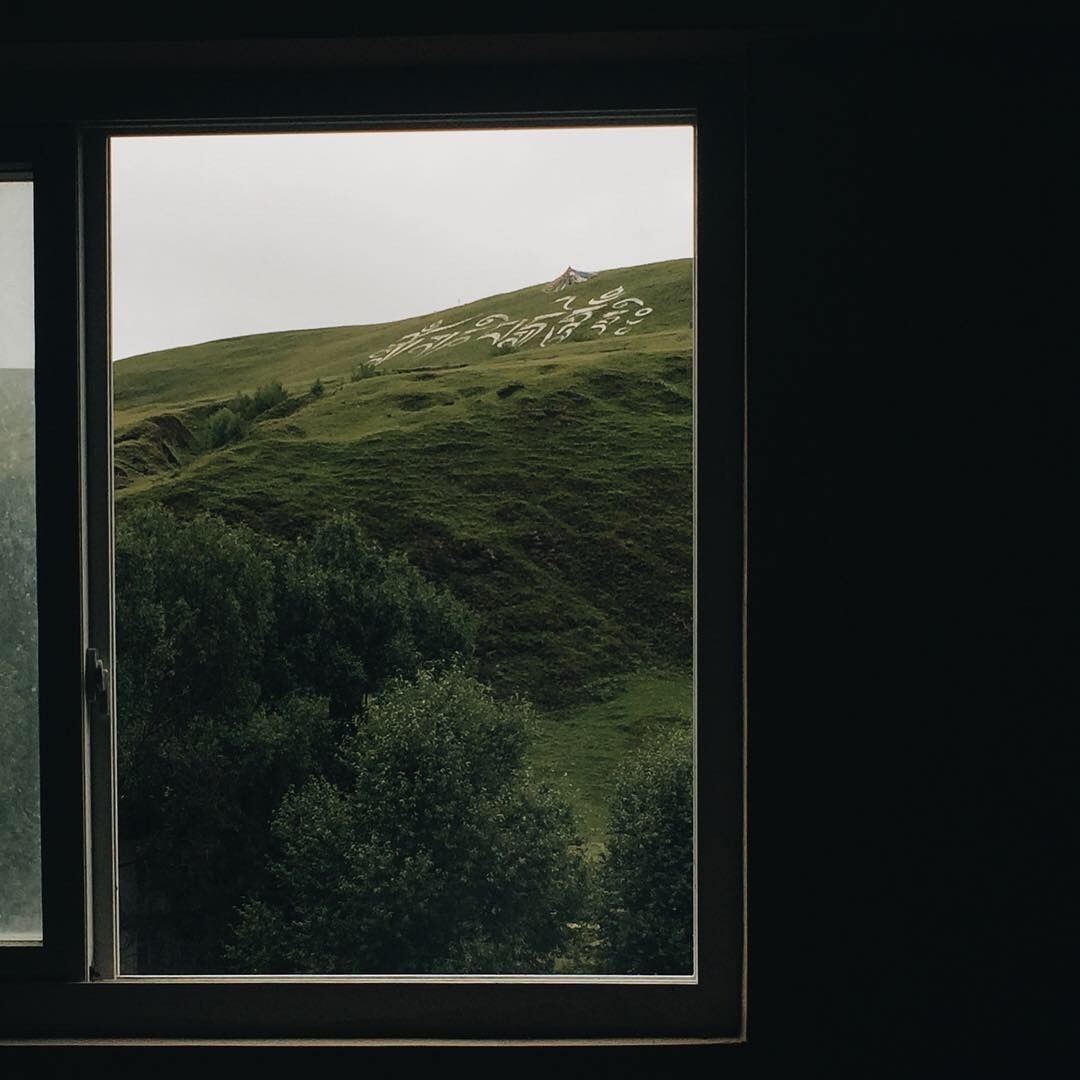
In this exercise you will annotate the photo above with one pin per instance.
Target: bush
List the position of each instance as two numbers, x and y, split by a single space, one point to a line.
224 426
646 879
436 855
317 388
363 371
266 397
242 405
269 395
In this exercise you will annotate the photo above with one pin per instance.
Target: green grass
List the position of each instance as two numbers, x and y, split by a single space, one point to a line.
579 749
562 512
550 488
16 421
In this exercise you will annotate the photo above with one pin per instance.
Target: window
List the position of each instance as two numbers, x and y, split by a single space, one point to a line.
43 783
384 321
567 1006
20 823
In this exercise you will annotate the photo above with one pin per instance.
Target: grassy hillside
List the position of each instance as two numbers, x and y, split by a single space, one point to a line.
16 420
174 379
579 748
549 485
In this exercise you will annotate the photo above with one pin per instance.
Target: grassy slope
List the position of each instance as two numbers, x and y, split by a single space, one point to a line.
16 420
178 378
578 749
550 488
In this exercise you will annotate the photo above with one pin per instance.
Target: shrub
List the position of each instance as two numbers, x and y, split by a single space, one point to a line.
224 426
266 397
317 388
269 395
646 901
242 405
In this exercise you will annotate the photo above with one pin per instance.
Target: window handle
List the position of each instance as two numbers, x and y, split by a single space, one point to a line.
97 679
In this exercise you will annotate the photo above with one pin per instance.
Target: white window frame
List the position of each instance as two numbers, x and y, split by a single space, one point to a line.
70 988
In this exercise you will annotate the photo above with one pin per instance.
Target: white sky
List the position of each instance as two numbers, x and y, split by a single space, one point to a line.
16 274
221 235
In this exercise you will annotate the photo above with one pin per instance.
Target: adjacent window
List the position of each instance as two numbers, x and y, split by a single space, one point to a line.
20 809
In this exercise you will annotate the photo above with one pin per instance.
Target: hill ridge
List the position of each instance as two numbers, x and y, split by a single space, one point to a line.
437 312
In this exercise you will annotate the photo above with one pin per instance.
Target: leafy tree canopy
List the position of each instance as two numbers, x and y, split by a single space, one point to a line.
438 854
646 880
240 660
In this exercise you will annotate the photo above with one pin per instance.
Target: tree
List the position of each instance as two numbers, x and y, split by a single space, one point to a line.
240 660
437 855
646 898
349 617
194 611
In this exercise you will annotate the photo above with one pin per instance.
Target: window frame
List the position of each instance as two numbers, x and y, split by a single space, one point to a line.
48 157
95 1002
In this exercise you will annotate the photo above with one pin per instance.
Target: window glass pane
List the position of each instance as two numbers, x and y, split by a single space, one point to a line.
404 551
20 821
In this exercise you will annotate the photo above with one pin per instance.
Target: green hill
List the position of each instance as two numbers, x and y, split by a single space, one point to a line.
16 420
547 481
203 374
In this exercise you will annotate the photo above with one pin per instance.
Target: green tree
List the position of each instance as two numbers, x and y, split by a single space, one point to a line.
194 609
350 616
240 660
437 855
645 896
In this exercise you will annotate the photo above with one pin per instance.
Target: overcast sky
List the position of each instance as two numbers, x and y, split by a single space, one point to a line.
221 235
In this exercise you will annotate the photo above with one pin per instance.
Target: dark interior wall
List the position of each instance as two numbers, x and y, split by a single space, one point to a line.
913 336
912 284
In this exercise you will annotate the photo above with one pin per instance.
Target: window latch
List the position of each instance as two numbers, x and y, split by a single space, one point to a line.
97 675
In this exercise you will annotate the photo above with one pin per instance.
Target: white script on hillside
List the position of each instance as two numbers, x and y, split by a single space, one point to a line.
503 331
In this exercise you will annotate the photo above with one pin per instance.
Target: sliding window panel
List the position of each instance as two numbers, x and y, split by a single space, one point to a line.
43 874
20 780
